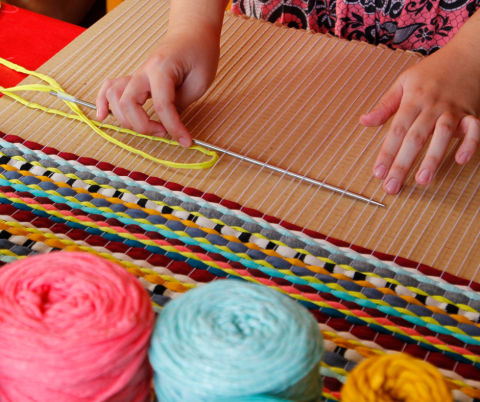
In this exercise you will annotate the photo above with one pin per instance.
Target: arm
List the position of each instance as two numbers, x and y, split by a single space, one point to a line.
439 95
177 73
196 15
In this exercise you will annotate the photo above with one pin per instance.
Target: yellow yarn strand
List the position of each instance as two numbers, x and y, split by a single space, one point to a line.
95 125
399 378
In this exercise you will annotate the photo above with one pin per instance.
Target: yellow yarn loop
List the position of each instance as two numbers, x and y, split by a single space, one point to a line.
395 378
95 125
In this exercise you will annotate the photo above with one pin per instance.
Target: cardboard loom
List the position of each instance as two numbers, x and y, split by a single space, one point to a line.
283 96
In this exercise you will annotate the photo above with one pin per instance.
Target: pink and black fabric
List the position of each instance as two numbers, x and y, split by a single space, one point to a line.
422 26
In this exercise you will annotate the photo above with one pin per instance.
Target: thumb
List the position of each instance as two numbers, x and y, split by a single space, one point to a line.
385 108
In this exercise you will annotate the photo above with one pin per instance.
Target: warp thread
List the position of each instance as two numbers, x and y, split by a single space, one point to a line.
73 328
397 377
95 125
236 339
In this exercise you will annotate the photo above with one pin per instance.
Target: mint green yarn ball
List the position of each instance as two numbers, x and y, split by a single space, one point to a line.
235 339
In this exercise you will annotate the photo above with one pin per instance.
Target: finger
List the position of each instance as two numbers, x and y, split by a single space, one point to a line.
470 125
114 93
133 98
163 96
444 130
414 141
101 101
385 108
394 139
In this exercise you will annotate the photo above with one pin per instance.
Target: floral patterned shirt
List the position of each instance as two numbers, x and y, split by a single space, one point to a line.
420 25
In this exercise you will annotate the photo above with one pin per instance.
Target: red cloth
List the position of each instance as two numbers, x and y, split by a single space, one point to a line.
29 40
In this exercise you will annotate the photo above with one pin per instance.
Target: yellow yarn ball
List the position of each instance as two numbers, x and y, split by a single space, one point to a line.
395 378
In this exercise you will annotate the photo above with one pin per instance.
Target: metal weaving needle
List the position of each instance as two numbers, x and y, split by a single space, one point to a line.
73 99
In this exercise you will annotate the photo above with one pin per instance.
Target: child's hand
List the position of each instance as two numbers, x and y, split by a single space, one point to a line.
176 74
439 95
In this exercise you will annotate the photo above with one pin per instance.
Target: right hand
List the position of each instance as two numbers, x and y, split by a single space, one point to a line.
176 74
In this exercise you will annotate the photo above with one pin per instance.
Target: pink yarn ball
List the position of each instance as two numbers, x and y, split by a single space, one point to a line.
73 328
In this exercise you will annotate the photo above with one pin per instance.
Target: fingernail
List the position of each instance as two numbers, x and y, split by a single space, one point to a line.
464 157
392 186
160 134
96 115
380 172
425 176
184 142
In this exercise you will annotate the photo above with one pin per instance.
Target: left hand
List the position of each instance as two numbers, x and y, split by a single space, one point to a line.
439 95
